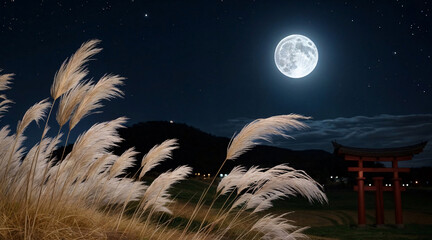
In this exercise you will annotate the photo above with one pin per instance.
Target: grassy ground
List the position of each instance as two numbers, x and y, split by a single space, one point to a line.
336 220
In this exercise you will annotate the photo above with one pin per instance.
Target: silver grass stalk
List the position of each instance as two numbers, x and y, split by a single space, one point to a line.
123 162
252 178
73 70
248 137
44 162
119 191
228 183
105 89
40 156
94 178
70 100
278 228
275 183
88 146
16 153
157 196
157 154
25 173
34 113
5 141
5 80
8 168
4 104
99 138
101 163
262 130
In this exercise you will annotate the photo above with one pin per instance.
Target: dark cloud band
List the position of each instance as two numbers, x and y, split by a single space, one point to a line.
380 131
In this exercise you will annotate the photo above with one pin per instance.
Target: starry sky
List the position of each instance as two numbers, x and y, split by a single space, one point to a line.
210 64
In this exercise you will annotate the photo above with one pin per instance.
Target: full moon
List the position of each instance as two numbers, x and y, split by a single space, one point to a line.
296 56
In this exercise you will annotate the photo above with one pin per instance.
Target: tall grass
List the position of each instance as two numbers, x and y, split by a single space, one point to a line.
86 195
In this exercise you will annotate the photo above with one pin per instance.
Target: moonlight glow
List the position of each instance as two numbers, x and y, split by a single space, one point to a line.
296 56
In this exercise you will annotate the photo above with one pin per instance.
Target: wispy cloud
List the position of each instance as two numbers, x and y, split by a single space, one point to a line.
380 131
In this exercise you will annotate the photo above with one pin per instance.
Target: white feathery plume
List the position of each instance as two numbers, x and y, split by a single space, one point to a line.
88 147
47 147
27 161
278 228
251 179
305 186
228 183
34 113
244 198
122 163
120 191
41 163
241 179
263 202
6 141
105 89
17 154
72 71
99 165
10 160
262 130
70 100
5 80
93 179
4 104
157 195
23 174
275 183
291 183
98 139
157 154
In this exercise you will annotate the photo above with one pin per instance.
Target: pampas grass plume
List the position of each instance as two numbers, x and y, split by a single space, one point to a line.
73 70
105 89
156 155
70 100
262 129
34 113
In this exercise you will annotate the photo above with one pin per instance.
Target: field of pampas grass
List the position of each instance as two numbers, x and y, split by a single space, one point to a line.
85 194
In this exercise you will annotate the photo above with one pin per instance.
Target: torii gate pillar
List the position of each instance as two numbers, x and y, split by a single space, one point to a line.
393 155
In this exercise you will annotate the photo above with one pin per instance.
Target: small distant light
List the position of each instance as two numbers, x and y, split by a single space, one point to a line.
198 174
226 174
331 176
407 184
221 175
336 177
370 184
403 184
171 121
389 185
386 185
208 175
416 182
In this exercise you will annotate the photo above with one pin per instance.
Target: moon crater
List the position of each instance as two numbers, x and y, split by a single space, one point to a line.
296 56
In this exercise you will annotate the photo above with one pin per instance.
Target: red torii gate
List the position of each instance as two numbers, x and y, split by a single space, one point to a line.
393 155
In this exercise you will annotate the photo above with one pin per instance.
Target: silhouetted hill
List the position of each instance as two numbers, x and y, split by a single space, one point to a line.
205 152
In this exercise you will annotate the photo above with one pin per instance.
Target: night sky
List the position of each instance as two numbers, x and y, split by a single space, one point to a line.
210 64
